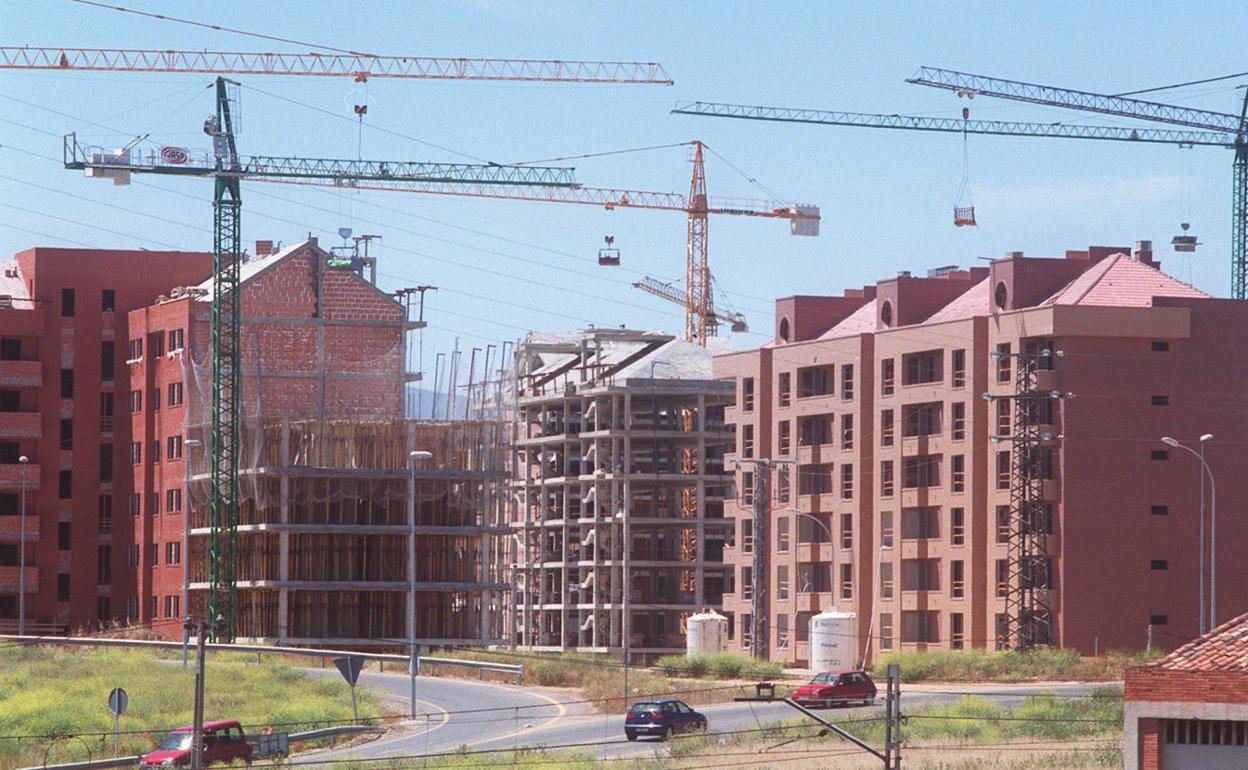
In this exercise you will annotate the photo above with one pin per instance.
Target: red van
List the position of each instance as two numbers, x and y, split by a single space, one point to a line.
224 741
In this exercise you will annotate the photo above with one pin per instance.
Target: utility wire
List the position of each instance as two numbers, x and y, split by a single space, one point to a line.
1183 85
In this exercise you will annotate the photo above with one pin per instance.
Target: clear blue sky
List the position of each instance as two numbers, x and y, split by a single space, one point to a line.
507 267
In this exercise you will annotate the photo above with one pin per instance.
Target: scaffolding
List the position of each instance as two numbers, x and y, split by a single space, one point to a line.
618 490
323 528
1028 620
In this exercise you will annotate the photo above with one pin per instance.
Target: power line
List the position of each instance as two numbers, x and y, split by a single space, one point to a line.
1183 85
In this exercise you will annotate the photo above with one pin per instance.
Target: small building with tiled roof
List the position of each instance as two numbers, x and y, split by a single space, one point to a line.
925 477
1189 709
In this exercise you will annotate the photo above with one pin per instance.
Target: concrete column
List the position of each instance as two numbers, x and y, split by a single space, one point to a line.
283 566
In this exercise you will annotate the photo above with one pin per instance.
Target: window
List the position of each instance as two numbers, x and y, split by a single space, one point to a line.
108 354
784 484
177 339
136 401
957 366
782 534
815 430
173 552
782 582
132 556
105 515
957 526
1159 454
155 404
9 503
136 453
921 419
814 381
173 448
886 529
157 345
747 487
1160 346
847 530
847 481
175 394
64 536
847 581
172 608
67 383
153 503
1003 416
747 441
920 472
958 411
887 483
9 556
1003 577
1003 470
10 349
920 523
106 412
886 580
103 609
920 627
1003 362
67 434
1158 620
1160 510
67 303
747 394
1161 401
1003 523
847 382
108 300
136 500
957 473
957 579
103 565
888 376
1159 564
785 387
920 368
886 630
847 431
747 583
956 631
154 554
815 479
173 500
10 401
62 587
785 437
135 350
151 608
886 427
65 485
132 607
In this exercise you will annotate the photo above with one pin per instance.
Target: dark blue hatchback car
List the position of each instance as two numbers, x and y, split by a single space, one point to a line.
663 718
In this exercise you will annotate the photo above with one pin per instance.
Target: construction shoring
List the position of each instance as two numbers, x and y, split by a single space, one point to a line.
1029 617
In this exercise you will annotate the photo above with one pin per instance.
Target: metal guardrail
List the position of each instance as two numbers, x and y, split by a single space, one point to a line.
508 668
132 761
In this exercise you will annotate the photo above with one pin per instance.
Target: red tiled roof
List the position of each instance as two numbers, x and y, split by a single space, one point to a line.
970 303
1225 648
860 321
1120 281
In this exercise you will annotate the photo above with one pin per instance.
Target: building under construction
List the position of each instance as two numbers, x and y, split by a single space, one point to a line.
325 483
617 470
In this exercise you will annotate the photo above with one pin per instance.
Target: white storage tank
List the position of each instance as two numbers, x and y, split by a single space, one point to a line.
833 641
705 633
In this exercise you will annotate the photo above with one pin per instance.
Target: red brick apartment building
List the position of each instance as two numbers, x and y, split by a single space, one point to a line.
894 493
63 390
1190 709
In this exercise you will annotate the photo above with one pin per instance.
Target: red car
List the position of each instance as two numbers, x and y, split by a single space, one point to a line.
224 741
828 689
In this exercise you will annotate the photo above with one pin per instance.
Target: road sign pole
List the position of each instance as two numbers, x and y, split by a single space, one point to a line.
355 708
117 702
116 735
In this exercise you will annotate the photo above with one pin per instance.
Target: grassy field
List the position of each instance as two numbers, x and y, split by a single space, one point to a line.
53 691
1008 666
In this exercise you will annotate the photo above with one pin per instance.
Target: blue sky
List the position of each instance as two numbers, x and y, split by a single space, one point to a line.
507 267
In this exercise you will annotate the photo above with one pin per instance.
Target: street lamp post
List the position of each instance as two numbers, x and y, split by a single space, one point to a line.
21 550
1213 529
412 662
187 446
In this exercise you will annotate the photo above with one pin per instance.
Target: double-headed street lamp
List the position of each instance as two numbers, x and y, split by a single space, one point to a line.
412 662
1213 530
21 559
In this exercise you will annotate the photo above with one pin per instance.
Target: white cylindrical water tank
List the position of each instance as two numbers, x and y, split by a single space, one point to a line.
833 641
705 633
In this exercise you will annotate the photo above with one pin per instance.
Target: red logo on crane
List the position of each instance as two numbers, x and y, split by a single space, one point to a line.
173 155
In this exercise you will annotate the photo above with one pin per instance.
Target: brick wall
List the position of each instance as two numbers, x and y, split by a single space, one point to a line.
1155 684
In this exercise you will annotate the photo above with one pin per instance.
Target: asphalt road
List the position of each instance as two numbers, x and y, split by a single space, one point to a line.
463 714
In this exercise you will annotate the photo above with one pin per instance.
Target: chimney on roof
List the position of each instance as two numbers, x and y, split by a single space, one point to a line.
1013 255
263 249
1144 254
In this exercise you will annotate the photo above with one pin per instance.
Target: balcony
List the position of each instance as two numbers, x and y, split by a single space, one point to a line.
11 476
21 374
10 579
18 425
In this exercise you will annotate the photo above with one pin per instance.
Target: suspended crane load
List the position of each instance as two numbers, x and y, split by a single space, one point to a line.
609 256
963 206
1184 243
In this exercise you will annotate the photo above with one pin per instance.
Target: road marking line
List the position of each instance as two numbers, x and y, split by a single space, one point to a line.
563 710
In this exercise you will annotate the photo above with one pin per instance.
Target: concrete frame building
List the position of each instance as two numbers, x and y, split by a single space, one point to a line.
617 470
905 435
63 387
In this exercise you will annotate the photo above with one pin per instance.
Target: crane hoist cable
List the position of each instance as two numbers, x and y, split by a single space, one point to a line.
964 204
